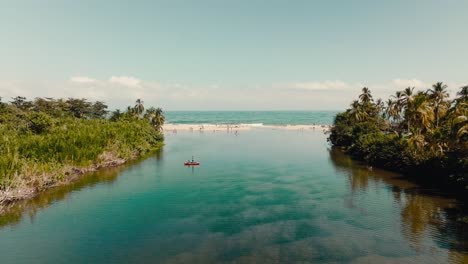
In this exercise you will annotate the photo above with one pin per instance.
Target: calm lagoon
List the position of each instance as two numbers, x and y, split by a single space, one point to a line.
261 196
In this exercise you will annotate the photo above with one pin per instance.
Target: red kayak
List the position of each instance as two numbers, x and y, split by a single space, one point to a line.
191 163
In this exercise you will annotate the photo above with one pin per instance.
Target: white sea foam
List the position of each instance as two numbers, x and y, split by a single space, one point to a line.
235 127
252 125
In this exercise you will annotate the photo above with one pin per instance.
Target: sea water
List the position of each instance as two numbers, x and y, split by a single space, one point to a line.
252 117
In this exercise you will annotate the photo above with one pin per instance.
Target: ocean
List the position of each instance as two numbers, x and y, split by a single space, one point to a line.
252 117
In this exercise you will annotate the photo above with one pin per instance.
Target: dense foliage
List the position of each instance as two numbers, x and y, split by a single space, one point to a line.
420 133
43 141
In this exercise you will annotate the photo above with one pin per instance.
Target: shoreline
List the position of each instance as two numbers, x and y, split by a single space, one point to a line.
241 127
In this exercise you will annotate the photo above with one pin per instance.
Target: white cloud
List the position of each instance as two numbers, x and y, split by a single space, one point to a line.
325 85
403 83
333 95
82 79
125 81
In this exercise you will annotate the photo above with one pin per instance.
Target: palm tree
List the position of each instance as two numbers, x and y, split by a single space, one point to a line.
406 104
398 96
156 117
392 111
379 104
460 119
437 147
463 93
131 112
139 108
419 113
357 112
416 143
463 130
407 95
438 93
366 96
399 104
388 109
159 119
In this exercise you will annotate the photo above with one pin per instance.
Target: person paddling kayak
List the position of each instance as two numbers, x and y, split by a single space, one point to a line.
191 163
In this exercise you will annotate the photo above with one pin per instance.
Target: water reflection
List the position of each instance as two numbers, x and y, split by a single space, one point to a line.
29 208
424 214
275 215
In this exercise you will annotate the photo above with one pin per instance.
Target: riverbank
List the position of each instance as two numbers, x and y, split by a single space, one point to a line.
50 142
410 135
240 127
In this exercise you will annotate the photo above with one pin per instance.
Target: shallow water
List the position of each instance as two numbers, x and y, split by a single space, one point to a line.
263 196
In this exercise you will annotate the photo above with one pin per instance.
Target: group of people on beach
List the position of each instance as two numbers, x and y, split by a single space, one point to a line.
236 128
201 128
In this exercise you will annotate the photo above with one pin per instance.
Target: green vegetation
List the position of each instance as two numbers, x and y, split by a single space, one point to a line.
418 133
46 141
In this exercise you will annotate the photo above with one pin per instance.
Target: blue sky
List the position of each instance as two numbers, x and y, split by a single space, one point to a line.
252 54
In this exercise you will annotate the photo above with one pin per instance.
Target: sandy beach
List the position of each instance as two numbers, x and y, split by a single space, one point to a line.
168 128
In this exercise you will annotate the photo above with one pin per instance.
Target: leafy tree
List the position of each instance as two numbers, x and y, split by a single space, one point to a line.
342 131
50 106
79 108
116 115
21 103
98 110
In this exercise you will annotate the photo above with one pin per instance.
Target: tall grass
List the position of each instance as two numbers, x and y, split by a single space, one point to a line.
70 142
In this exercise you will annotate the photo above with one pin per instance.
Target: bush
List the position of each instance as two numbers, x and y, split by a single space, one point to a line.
341 132
38 122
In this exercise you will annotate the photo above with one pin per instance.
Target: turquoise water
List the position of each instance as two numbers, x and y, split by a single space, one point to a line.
261 196
251 117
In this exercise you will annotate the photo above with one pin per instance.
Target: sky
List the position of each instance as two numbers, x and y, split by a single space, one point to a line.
230 55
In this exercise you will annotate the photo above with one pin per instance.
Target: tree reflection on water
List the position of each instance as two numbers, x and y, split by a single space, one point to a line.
31 207
423 212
